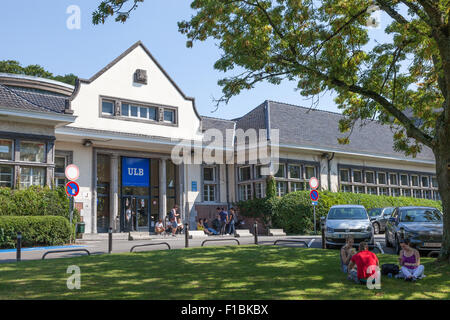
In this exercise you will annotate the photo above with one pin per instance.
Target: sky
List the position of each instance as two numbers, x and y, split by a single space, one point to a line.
35 32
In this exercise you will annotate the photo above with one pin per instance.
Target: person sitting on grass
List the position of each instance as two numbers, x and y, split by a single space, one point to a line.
159 227
409 259
209 230
347 251
362 260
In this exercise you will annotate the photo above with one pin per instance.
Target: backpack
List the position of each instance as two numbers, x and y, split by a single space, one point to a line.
389 268
171 215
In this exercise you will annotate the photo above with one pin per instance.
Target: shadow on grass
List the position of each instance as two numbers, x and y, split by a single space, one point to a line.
232 272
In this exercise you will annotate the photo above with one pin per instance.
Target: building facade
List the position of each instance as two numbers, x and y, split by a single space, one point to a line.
120 128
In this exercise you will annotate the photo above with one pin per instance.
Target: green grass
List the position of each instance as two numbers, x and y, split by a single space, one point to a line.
232 272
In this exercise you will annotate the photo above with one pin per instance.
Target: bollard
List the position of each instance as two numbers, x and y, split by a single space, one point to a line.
186 236
110 240
256 232
19 246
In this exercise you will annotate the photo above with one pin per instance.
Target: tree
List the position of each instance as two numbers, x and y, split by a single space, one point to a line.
12 66
402 80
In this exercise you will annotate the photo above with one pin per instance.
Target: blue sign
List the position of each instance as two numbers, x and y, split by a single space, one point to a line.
314 203
314 194
135 172
72 189
194 186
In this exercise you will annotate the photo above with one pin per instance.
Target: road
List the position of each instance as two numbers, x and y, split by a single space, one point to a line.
101 247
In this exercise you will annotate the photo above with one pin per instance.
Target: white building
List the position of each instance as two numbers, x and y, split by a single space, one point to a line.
120 126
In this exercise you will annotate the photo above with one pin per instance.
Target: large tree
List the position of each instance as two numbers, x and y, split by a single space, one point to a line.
401 79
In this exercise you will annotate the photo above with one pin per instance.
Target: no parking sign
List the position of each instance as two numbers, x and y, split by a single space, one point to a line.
72 189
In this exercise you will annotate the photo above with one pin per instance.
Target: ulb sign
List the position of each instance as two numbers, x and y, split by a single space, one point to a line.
135 172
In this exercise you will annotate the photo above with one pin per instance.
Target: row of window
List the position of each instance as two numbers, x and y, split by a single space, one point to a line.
29 176
29 151
141 112
394 192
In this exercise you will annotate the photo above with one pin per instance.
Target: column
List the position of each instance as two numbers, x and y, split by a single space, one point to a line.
162 189
114 221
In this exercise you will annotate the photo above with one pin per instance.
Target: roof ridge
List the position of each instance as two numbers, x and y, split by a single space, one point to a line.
25 99
217 118
306 108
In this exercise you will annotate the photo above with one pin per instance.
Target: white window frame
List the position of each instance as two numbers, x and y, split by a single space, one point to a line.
353 175
240 173
349 178
385 178
12 149
374 177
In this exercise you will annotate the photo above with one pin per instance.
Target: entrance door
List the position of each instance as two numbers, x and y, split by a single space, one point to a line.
135 214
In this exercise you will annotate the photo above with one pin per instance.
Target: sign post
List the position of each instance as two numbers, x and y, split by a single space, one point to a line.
314 195
72 188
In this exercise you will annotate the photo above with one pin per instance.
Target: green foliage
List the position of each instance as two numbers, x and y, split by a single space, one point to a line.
35 201
261 209
271 187
12 66
36 231
294 212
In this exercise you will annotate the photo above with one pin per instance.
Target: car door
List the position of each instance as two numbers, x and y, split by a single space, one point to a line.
386 214
390 226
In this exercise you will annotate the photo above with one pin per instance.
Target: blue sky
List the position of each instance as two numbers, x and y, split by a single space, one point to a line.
35 32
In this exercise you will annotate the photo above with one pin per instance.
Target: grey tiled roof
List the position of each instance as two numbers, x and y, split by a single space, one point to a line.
16 98
306 127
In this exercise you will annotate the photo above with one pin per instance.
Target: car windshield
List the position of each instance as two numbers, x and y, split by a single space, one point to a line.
374 212
420 215
388 211
347 214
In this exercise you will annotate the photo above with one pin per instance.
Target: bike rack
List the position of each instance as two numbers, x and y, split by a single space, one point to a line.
150 244
292 241
220 240
63 251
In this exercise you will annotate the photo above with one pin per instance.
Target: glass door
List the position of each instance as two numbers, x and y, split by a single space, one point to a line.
142 214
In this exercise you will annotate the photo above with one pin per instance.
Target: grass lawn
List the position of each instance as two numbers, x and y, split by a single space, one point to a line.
232 272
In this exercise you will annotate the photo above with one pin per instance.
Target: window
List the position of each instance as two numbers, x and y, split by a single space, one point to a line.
309 172
125 110
294 172
143 112
281 188
258 174
417 193
244 173
427 194
346 188
393 179
406 192
281 172
344 174
359 189
139 112
395 192
260 190
357 176
245 192
60 167
6 176
434 182
372 190
32 151
404 180
208 174
32 176
415 181
381 178
384 191
134 111
296 186
6 150
108 107
209 192
169 116
425 183
370 177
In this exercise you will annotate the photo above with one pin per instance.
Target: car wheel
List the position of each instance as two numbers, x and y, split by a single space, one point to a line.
386 240
376 228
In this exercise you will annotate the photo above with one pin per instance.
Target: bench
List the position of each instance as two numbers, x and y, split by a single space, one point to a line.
139 236
197 234
243 233
276 232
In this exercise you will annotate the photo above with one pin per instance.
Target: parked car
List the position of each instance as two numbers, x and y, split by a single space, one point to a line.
422 225
345 220
379 217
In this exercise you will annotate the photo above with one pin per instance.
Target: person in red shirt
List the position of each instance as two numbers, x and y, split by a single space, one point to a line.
362 260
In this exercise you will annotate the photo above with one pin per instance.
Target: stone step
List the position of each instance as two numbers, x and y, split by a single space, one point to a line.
102 236
276 232
139 236
243 233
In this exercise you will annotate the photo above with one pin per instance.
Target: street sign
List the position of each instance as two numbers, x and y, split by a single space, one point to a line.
314 203
314 195
72 189
314 183
72 172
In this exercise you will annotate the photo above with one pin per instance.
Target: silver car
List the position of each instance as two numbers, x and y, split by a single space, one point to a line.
346 220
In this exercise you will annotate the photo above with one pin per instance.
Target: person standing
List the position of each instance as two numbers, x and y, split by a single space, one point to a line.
223 220
231 221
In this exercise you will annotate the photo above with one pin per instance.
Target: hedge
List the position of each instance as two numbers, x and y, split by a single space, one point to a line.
35 201
294 212
36 231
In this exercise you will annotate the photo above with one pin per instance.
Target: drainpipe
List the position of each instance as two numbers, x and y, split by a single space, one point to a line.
327 155
227 188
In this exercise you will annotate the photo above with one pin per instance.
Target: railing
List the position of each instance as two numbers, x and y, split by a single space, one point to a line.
64 251
291 241
230 239
150 244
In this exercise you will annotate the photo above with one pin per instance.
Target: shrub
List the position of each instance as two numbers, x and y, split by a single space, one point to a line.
294 212
36 231
261 209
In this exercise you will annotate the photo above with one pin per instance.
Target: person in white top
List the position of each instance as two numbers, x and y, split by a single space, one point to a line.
159 227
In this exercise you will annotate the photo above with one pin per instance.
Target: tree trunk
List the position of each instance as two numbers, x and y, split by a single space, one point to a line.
442 155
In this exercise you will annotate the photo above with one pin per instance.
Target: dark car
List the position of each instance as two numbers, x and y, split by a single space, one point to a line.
379 217
422 225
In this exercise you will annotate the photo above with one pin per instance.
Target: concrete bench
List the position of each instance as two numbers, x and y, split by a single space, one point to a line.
276 232
243 233
139 236
102 236
197 234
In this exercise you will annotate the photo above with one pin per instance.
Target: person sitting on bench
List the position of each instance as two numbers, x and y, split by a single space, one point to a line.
207 229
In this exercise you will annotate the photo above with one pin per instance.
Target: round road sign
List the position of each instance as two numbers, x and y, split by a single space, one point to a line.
72 189
314 195
313 183
72 172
